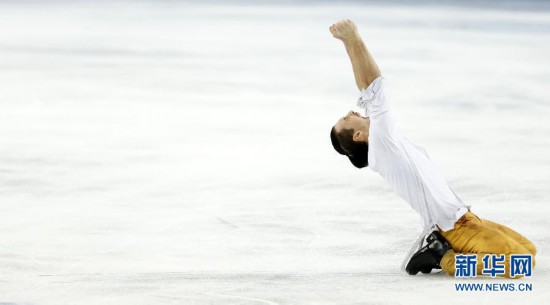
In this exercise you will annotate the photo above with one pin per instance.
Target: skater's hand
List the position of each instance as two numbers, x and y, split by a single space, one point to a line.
344 30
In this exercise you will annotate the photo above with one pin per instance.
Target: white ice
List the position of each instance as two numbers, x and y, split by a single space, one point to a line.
179 153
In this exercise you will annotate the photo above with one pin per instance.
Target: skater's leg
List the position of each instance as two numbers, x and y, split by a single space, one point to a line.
471 236
514 235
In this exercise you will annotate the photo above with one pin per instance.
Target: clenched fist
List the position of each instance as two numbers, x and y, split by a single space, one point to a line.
344 30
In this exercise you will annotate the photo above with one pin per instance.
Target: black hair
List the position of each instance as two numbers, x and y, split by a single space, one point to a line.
357 152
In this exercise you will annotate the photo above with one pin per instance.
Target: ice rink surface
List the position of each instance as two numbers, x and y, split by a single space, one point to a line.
179 153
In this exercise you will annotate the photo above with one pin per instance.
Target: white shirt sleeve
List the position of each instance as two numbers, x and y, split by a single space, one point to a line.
373 99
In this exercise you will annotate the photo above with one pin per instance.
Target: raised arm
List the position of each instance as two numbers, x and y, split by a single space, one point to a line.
365 68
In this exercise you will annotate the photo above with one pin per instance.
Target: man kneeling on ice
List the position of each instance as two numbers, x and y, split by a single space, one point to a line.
374 141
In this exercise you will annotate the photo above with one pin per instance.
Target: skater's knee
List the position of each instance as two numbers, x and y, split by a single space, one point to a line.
531 248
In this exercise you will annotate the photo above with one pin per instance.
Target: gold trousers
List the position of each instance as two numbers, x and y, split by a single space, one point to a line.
473 235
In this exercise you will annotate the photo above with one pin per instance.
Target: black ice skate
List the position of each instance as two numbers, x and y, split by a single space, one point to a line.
429 256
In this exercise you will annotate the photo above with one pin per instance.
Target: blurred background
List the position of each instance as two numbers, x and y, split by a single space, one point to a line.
178 151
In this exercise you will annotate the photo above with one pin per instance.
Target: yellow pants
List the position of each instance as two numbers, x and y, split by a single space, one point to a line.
472 235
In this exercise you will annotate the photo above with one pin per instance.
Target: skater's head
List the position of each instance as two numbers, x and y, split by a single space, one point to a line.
350 136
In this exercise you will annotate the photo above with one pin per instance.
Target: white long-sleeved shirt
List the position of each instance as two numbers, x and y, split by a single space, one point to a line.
407 166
